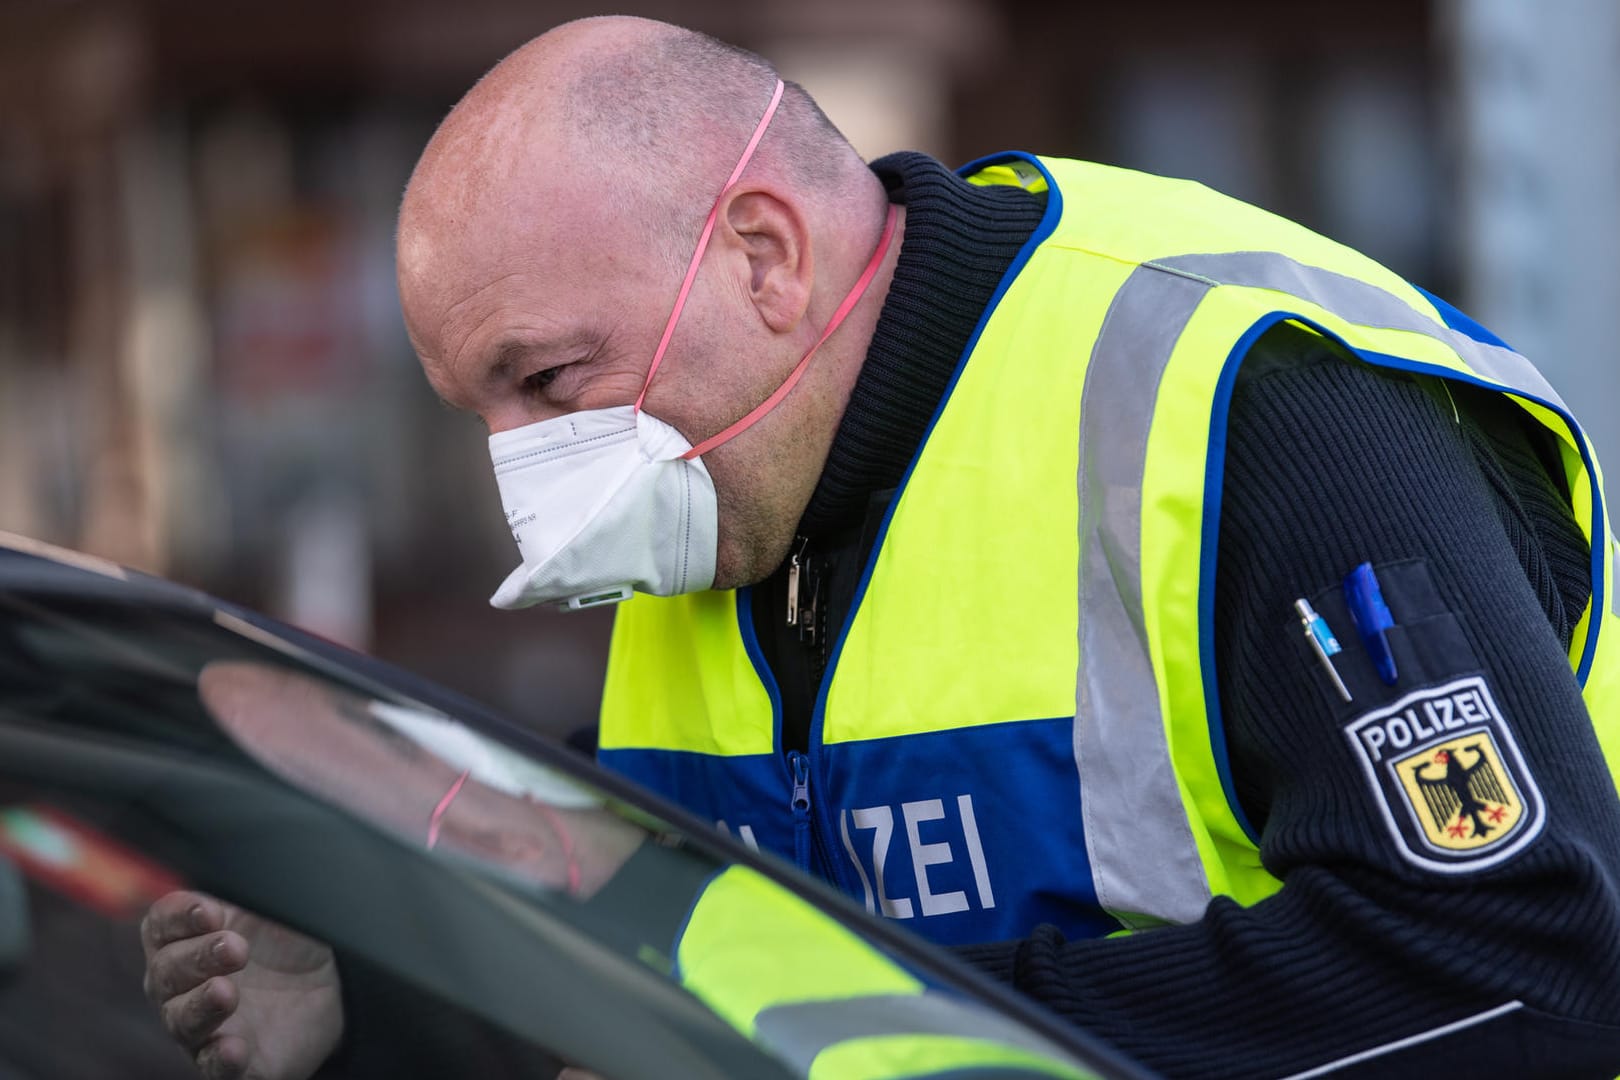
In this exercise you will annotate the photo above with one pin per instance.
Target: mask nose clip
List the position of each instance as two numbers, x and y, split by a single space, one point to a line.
601 598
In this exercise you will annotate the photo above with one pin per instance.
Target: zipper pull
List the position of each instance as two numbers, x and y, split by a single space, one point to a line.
802 841
801 783
795 565
803 591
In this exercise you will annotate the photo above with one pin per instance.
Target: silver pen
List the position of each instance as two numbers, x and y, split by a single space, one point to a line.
1322 642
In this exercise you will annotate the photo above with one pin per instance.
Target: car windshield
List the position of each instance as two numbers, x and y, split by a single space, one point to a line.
152 738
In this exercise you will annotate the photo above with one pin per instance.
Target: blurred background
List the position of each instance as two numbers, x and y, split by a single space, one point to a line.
203 371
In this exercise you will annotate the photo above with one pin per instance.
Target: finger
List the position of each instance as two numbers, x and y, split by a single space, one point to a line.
179 915
194 1017
183 965
226 1058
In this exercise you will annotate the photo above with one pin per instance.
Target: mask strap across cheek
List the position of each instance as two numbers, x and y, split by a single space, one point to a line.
792 380
437 819
703 241
436 822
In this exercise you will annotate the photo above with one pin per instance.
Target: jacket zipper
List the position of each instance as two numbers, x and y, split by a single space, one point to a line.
806 614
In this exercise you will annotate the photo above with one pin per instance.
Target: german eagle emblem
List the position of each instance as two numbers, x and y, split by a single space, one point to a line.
1464 803
1454 789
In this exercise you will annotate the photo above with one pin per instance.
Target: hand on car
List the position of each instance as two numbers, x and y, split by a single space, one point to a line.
248 998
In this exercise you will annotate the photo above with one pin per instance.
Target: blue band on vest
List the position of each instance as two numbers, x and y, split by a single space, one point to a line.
937 835
1599 578
1461 322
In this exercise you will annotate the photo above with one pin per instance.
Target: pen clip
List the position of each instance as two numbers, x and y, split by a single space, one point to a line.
1365 599
1319 636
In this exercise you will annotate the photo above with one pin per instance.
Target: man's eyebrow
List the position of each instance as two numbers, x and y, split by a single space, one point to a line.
509 354
513 353
502 360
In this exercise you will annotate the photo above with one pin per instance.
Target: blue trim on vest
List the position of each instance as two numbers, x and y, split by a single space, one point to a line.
1054 211
1208 545
1461 322
767 678
1599 529
1600 583
1465 324
1214 475
756 656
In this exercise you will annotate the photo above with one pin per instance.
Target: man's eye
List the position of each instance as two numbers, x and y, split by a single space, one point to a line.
542 379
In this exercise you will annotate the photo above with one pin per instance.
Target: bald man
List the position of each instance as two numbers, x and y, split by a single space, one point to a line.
857 456
534 278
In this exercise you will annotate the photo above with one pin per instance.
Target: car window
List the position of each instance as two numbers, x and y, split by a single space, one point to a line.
491 898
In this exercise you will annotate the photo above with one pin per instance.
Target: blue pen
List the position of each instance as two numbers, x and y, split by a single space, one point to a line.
1371 615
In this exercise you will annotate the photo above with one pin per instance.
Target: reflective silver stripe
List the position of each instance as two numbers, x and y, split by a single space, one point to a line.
1130 801
1366 304
1614 593
1410 1041
797 1033
1144 860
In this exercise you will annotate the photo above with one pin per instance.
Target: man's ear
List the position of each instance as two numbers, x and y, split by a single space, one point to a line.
771 235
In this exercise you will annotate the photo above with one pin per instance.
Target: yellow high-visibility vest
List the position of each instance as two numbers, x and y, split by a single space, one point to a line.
1019 723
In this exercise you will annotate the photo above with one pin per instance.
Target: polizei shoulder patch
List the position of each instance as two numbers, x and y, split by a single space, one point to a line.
1450 781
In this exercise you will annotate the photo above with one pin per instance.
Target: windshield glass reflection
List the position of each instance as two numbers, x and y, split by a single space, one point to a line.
436 847
427 778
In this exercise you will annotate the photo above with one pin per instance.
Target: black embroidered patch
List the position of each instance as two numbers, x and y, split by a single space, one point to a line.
1451 783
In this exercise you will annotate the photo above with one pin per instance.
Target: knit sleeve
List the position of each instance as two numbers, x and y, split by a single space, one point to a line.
1377 955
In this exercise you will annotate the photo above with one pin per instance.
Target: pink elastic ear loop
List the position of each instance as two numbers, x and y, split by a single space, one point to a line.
437 819
792 380
703 241
438 811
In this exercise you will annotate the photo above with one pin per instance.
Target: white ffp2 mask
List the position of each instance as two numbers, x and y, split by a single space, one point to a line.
601 502
606 501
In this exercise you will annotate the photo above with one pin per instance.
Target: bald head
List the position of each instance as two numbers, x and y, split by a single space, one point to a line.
678 106
545 229
650 116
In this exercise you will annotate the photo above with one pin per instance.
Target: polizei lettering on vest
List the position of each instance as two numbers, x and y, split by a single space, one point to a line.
745 833
1423 720
926 856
